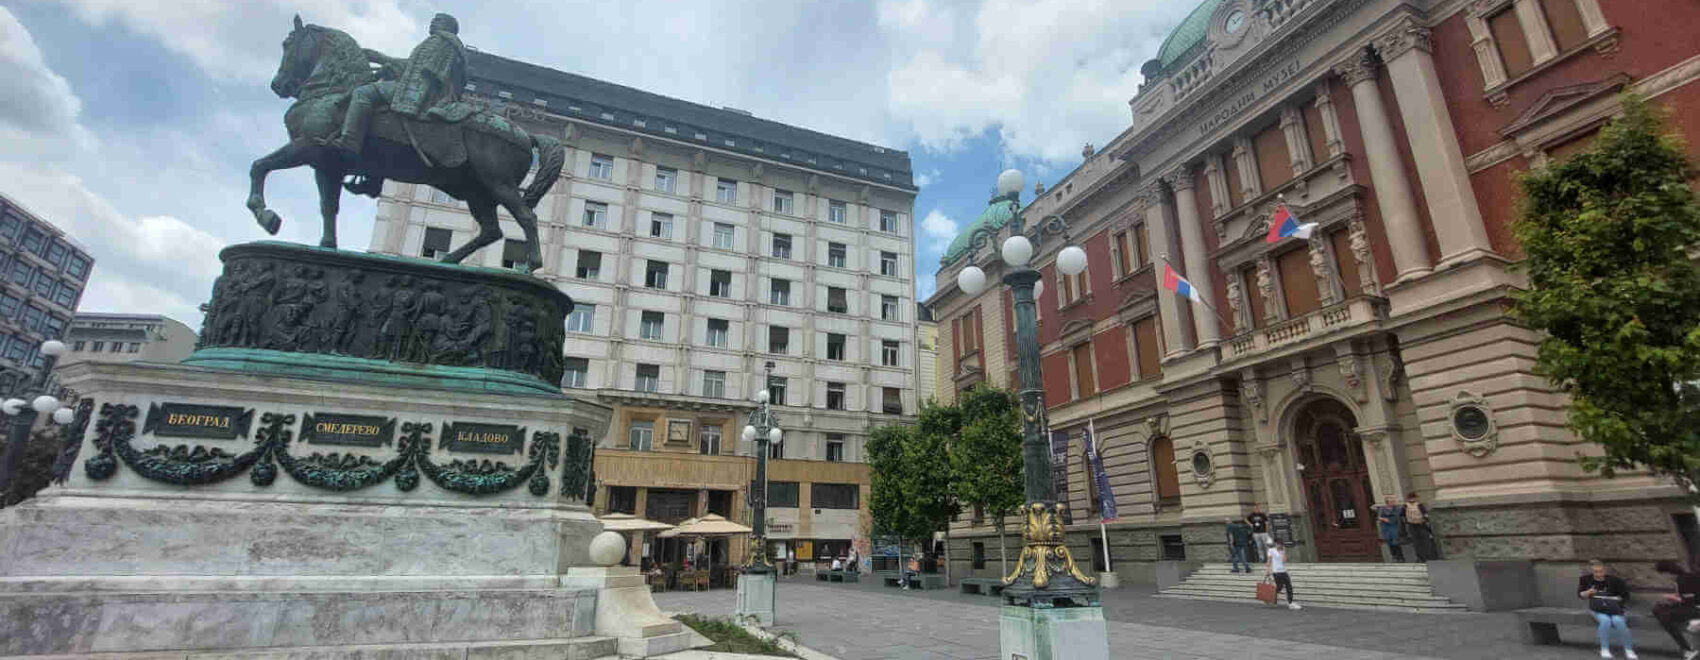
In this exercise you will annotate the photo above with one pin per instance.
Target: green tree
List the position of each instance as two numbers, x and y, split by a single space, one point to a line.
910 496
1610 236
986 460
35 467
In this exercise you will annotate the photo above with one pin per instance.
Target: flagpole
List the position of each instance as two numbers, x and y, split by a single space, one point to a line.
1103 534
1200 300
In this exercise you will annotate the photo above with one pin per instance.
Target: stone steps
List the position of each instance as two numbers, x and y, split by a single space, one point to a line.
1391 587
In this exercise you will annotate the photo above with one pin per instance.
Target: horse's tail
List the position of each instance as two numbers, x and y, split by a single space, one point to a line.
551 157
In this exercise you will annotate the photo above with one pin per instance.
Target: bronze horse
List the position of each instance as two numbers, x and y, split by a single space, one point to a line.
320 66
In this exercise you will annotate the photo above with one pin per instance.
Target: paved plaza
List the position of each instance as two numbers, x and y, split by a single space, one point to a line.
867 621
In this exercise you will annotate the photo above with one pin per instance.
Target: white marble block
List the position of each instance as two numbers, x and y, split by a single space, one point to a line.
1060 633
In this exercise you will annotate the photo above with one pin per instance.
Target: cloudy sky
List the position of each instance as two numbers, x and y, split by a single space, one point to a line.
131 123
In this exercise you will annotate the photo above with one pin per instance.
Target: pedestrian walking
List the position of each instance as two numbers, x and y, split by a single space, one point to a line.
1277 568
1681 607
1607 596
1259 523
1389 522
1239 545
1417 527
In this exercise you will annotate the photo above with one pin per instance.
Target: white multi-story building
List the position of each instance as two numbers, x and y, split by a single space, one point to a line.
700 244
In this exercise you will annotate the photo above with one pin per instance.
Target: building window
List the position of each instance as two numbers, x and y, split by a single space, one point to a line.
782 246
622 499
582 318
655 274
650 325
1274 161
1350 282
838 212
589 265
56 253
1071 288
782 201
837 300
782 494
1509 39
720 283
1085 384
888 263
1166 476
891 400
835 496
888 308
514 255
1565 19
601 167
776 450
660 225
1298 283
834 346
641 437
577 369
835 396
1129 250
648 378
714 384
836 254
723 234
835 448
77 346
778 339
779 292
708 440
33 239
1254 300
1147 355
77 266
666 179
718 329
888 352
596 215
776 389
979 555
725 191
888 222
436 242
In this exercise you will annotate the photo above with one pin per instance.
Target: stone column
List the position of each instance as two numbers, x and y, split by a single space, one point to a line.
1392 191
1192 247
1218 185
1330 122
1150 201
1440 163
1298 144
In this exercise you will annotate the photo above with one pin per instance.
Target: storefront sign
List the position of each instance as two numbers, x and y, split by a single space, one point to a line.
482 438
187 420
1281 527
347 430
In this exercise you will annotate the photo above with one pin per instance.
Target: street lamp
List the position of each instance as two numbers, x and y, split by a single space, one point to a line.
762 429
23 414
1045 578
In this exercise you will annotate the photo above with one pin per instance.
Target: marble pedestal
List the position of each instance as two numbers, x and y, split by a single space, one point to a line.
757 598
377 537
626 611
1061 633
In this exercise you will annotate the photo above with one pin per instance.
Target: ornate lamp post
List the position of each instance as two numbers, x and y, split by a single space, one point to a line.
23 414
756 598
1047 597
763 428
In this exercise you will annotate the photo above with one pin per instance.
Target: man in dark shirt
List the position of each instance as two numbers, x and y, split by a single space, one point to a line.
1239 545
1259 523
1681 607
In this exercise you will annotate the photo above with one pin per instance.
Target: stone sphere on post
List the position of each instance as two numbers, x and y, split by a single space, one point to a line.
971 280
1071 260
607 548
1009 181
1017 251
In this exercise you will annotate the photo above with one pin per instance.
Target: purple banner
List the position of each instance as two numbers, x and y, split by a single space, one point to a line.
1106 497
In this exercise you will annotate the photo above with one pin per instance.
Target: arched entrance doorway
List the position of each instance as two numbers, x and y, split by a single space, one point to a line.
1336 482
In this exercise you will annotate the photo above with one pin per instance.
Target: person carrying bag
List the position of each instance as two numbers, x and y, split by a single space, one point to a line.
1607 596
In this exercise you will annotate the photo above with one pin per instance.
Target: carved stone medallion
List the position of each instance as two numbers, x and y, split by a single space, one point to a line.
1471 419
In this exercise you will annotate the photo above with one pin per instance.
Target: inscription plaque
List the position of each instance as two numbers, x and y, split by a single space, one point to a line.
347 430
1281 527
188 420
482 438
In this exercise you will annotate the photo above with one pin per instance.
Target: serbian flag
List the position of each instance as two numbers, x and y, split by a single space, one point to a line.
1285 224
1174 282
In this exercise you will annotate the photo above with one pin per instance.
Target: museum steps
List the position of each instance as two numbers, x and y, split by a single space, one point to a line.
1391 587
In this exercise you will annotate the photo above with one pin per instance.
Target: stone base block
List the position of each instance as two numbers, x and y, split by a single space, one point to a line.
500 623
1063 633
626 611
756 598
1485 586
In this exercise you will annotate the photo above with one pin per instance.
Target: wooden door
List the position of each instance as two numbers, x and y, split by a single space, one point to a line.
1337 485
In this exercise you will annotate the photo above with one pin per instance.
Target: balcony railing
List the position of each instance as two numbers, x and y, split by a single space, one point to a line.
1355 312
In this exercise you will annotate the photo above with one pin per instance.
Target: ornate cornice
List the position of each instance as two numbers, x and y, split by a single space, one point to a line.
1405 34
1360 67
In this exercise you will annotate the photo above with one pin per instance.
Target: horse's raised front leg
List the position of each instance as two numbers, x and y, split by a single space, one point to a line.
294 154
489 227
330 200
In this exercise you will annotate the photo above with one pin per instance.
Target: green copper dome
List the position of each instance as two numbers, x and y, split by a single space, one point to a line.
999 211
1189 33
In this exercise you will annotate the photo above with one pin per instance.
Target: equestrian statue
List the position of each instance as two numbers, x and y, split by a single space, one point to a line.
405 121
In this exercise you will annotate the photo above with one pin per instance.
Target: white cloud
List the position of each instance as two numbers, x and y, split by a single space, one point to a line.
927 178
939 229
37 107
242 39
